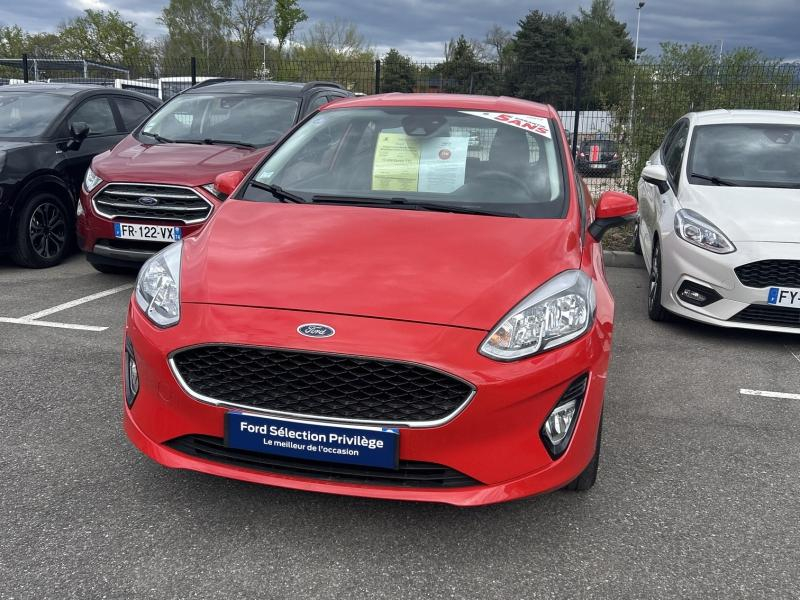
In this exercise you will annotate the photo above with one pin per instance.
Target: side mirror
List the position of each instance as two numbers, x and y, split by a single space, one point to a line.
613 210
657 175
78 132
227 182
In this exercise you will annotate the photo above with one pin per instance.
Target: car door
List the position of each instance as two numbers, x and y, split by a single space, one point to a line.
105 131
650 198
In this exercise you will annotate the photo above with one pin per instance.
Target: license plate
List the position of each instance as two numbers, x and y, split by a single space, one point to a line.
365 446
154 233
600 166
784 297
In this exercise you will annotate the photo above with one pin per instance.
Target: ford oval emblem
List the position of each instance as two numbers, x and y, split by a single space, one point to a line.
148 201
316 330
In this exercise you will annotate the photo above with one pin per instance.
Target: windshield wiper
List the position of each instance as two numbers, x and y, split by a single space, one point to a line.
714 179
278 192
159 138
409 204
227 143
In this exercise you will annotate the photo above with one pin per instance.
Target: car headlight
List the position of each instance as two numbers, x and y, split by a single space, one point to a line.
90 180
694 229
557 312
158 286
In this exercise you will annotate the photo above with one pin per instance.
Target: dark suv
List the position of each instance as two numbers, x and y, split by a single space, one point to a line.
157 186
49 134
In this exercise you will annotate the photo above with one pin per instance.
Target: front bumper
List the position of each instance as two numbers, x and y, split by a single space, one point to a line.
494 440
96 237
684 262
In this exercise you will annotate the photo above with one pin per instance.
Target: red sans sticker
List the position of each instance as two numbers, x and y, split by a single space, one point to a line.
530 123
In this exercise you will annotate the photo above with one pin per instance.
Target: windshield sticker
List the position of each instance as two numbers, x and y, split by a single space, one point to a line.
407 164
536 125
443 164
396 166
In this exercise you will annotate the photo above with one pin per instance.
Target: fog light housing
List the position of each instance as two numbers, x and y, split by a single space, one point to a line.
697 295
131 383
556 432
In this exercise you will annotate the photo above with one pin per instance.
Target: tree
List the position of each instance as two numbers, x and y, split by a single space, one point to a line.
398 73
287 16
543 59
246 19
603 44
103 36
498 39
197 28
13 41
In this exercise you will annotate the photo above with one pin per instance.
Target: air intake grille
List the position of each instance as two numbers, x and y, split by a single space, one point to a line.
767 314
766 273
409 474
322 385
152 202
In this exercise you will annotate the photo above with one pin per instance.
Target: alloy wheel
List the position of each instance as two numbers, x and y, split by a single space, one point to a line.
47 230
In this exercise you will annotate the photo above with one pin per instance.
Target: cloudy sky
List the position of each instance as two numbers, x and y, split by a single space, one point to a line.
419 27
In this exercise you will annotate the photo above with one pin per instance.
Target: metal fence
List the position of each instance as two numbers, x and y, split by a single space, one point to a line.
625 109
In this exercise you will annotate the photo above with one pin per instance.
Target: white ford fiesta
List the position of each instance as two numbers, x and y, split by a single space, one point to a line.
719 225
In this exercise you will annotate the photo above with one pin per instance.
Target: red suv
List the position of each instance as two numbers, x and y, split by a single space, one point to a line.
156 186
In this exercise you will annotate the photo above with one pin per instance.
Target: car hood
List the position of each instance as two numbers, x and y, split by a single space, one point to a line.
184 164
748 214
442 268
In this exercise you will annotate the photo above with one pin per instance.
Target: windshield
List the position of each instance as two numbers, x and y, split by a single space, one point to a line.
445 158
233 118
748 155
28 115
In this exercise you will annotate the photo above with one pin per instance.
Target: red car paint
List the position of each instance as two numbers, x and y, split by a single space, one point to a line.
422 287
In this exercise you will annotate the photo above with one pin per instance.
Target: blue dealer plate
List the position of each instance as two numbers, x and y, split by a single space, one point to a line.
365 446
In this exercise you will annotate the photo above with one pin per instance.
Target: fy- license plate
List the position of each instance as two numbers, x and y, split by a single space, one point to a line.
599 166
154 233
365 446
784 297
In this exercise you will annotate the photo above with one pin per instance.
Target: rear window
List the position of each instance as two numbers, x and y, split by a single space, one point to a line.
602 145
465 159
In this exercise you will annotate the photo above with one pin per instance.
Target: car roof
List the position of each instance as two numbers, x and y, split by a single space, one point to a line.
458 101
719 117
73 89
278 88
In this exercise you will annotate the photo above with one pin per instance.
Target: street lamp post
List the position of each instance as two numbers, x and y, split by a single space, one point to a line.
639 7
638 20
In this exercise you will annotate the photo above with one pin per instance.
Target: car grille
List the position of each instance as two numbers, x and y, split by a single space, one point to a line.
409 473
330 386
767 314
766 273
172 203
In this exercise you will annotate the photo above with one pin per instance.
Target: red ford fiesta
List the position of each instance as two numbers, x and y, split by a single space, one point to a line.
405 299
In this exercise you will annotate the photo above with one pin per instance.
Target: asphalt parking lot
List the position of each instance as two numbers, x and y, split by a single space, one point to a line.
698 494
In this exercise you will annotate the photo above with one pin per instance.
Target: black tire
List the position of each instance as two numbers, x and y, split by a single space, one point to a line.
113 270
44 232
655 310
588 477
637 244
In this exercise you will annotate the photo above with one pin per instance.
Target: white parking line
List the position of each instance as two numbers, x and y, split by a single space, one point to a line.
746 392
52 324
73 303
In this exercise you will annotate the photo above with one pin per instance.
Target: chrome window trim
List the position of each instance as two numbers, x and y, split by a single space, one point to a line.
315 418
194 193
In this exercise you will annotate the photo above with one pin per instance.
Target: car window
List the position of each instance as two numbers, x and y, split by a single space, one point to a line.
745 154
478 160
132 112
320 100
97 114
249 119
24 114
673 157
